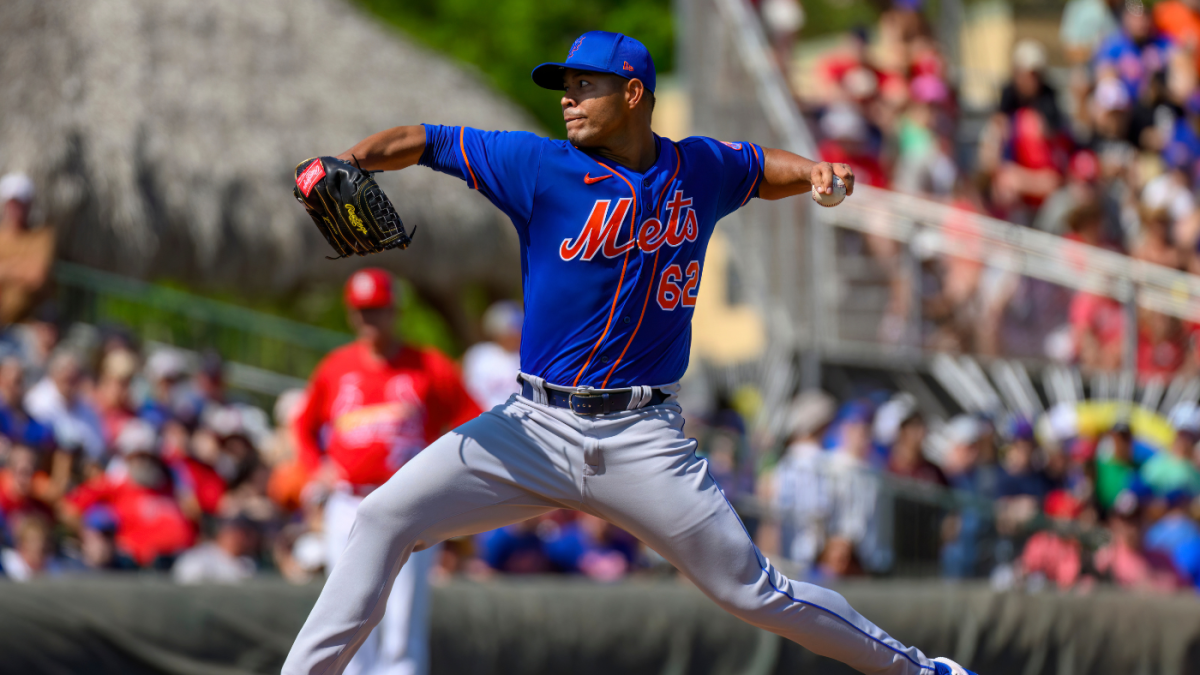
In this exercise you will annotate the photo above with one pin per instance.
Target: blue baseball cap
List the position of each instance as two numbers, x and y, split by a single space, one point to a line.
601 52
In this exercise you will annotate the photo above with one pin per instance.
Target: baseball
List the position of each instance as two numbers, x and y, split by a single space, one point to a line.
830 198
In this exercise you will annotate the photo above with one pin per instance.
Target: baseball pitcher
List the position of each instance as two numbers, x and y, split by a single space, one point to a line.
613 224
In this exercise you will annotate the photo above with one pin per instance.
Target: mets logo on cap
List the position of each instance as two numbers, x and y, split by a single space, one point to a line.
600 52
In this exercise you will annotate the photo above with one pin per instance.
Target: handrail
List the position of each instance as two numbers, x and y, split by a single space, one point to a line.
195 307
944 229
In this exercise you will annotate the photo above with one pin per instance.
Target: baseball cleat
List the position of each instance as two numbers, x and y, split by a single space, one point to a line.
944 666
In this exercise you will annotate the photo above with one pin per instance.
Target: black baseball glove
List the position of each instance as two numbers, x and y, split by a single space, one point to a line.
348 207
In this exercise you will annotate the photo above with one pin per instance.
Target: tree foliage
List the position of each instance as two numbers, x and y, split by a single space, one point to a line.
505 39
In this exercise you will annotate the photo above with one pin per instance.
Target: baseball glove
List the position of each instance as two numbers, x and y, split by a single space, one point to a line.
348 207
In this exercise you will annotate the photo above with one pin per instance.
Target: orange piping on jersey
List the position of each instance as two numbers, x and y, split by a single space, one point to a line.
612 310
653 274
463 147
762 170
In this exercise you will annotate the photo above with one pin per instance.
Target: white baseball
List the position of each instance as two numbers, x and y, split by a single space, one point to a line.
830 198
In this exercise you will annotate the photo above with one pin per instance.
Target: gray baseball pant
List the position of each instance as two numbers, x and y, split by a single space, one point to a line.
635 469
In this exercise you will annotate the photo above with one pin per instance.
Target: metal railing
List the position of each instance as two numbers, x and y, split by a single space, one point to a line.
263 354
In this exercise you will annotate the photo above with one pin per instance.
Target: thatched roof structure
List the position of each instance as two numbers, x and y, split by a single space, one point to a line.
163 136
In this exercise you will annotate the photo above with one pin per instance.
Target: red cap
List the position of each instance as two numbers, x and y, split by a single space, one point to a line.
369 289
1084 166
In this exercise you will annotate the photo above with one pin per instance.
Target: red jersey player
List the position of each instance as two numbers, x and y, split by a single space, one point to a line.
371 406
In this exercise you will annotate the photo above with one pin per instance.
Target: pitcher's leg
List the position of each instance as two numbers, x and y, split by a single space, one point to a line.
340 510
652 484
455 486
404 631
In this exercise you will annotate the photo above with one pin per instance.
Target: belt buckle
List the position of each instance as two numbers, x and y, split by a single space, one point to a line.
601 399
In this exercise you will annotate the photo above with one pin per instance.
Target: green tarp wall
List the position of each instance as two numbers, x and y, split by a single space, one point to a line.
561 626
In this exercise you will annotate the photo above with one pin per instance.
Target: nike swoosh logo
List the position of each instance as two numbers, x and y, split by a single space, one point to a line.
587 178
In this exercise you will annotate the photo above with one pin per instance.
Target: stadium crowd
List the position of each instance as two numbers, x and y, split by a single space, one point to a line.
1072 498
113 458
1101 149
118 458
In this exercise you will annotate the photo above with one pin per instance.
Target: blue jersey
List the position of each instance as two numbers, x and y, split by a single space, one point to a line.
610 258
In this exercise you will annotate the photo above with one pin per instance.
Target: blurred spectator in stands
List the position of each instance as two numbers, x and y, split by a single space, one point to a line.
32 554
1170 192
1111 108
1179 20
298 553
1174 469
515 549
591 546
906 457
1083 25
1020 474
1135 50
837 560
963 532
18 490
12 393
56 401
902 26
199 488
1116 469
1083 187
1175 529
1161 347
854 487
1021 485
1085 224
170 397
923 163
151 527
227 559
98 542
238 463
114 402
1052 556
1029 170
722 441
15 424
25 253
1123 561
288 474
1154 243
798 494
847 140
1028 89
32 341
490 368
848 73
964 464
1022 147
210 379
782 20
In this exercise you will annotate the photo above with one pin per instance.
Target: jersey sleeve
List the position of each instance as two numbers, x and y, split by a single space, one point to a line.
503 165
738 167
310 420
